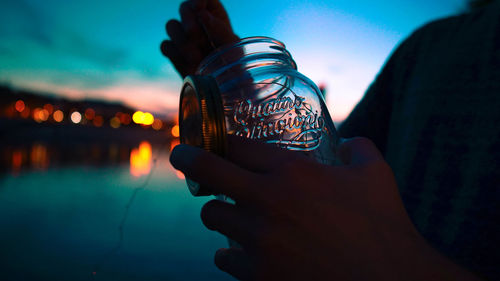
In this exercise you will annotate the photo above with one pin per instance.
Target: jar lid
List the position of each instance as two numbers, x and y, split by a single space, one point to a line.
201 120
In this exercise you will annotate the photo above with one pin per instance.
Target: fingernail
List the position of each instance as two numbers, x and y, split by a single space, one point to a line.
183 156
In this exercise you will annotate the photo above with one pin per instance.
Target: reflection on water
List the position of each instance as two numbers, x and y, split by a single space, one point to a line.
39 156
63 210
140 160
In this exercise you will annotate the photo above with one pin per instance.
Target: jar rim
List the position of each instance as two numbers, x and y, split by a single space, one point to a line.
226 47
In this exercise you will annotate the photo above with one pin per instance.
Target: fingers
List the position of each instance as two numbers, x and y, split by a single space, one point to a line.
358 151
219 31
182 51
175 31
206 4
169 49
221 175
194 30
188 17
256 156
229 220
235 262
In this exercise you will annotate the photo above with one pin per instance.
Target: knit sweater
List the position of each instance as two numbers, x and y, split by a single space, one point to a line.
434 112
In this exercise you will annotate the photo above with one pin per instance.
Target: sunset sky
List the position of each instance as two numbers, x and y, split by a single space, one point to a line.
110 49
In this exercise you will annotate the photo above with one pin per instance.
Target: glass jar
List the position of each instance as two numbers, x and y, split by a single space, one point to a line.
252 89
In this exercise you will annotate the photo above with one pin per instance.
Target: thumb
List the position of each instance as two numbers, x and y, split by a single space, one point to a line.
358 151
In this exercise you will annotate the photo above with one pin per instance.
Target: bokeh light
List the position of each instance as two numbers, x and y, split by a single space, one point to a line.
26 112
98 121
76 117
114 122
58 116
148 119
175 131
157 124
89 113
125 119
49 108
19 106
138 117
40 115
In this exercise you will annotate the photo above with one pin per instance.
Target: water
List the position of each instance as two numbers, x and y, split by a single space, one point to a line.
63 223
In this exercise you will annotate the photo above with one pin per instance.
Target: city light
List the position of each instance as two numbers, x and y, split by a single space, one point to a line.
58 112
89 113
143 118
76 117
19 106
49 108
175 131
157 124
114 122
98 121
125 118
148 119
138 117
26 113
40 115
58 116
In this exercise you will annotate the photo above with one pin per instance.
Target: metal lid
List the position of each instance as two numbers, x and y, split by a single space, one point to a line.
201 120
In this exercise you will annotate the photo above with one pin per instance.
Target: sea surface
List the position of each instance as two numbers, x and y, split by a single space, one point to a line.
132 220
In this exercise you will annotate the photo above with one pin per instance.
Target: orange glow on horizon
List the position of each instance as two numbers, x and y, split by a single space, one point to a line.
140 160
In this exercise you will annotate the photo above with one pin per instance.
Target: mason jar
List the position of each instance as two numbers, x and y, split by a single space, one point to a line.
252 89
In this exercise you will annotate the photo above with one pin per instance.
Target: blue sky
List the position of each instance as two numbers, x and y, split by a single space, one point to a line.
110 49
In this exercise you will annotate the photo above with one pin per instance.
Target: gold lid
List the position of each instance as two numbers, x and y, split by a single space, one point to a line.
201 120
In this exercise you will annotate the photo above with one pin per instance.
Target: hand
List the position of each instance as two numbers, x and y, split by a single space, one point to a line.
204 26
297 219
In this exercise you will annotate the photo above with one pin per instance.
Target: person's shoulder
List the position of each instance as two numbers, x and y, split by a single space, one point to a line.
474 20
